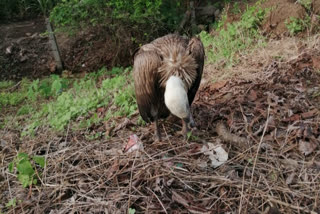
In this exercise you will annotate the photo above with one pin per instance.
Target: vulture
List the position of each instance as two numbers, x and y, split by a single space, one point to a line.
167 74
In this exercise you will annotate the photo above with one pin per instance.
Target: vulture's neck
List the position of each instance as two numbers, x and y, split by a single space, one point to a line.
176 98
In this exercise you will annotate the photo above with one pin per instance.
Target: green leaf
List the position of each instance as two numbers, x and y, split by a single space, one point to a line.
10 166
56 86
35 181
25 168
25 180
11 203
40 160
22 155
132 211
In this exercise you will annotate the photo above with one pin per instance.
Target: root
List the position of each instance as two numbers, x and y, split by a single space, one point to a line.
227 136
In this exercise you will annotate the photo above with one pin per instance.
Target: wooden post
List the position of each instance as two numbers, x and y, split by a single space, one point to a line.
54 47
193 18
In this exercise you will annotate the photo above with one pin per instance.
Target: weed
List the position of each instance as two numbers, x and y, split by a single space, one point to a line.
23 110
82 99
306 4
236 37
236 8
94 136
26 168
297 25
6 84
132 211
12 203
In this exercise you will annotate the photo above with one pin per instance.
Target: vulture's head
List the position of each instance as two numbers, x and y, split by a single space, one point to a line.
176 99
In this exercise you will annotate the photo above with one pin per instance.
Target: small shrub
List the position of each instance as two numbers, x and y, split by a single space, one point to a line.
297 25
235 37
6 84
306 4
26 168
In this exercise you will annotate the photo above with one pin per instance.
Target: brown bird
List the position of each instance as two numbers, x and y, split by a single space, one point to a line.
167 74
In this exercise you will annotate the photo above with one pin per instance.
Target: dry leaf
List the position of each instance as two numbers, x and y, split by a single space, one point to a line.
179 199
122 125
309 114
252 95
290 178
218 85
316 62
306 148
216 153
134 144
113 169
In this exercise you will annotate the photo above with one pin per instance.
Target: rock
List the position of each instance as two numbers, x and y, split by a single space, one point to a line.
23 58
9 50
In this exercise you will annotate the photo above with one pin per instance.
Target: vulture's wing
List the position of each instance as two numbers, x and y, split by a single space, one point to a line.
196 49
146 64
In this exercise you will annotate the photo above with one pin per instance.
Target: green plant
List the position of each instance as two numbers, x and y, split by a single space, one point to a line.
296 25
20 8
46 88
25 109
12 203
306 4
151 15
234 37
83 98
27 174
236 8
6 84
132 211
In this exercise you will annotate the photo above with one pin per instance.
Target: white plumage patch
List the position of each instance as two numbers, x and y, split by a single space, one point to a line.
176 98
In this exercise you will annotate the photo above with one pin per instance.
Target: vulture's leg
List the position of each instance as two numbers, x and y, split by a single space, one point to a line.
157 134
186 122
185 128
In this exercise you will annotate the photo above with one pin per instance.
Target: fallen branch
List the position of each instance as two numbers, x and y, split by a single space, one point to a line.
227 136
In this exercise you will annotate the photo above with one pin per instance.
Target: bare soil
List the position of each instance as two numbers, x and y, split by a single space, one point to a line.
280 13
93 49
24 51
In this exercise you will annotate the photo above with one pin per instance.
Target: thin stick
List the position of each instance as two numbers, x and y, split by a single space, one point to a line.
164 209
242 189
258 149
10 192
291 206
130 183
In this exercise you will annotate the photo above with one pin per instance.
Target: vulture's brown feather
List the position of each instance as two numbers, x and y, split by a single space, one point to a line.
156 62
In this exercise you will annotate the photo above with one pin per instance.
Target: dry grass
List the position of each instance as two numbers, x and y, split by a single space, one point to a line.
250 65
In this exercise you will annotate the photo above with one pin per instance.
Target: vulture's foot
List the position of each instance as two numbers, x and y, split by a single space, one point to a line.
185 129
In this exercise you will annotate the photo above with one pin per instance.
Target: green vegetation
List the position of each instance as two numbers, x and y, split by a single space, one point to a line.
153 15
26 168
6 84
231 38
11 203
307 4
297 25
22 8
56 102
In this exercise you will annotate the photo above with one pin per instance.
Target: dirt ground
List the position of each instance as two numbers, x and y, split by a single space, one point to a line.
24 51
